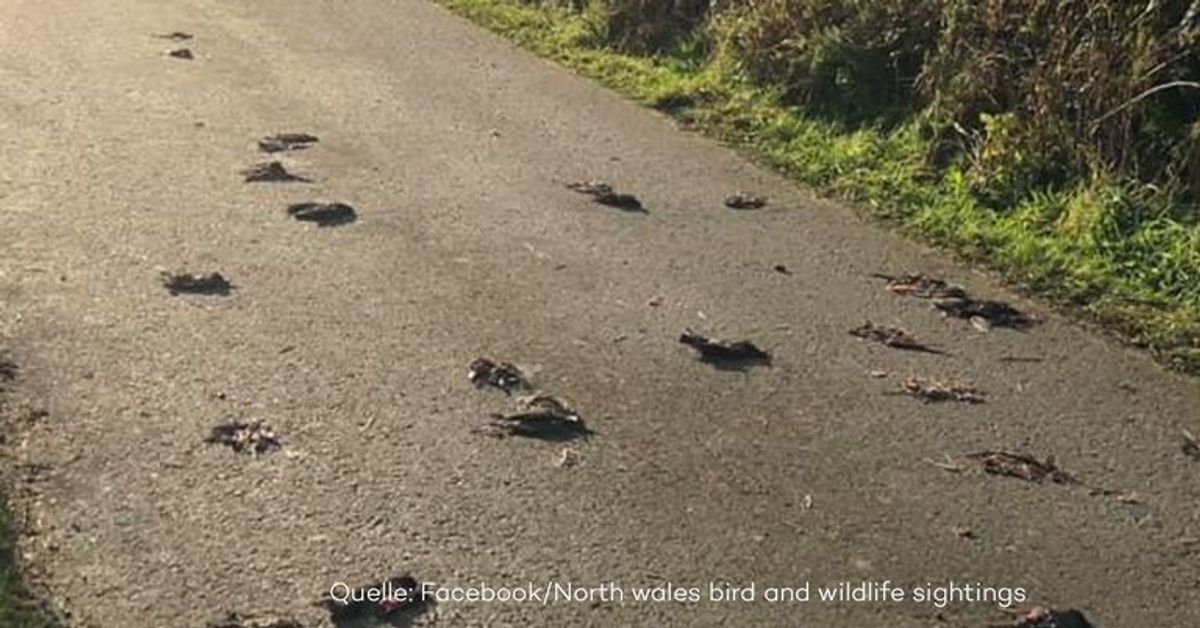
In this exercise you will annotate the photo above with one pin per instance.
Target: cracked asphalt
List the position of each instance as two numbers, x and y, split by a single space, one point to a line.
455 149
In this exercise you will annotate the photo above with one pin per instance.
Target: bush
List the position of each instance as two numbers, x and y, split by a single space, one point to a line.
1042 92
651 26
851 60
1057 88
639 26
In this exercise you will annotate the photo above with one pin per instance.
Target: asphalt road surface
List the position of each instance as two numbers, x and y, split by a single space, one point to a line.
352 342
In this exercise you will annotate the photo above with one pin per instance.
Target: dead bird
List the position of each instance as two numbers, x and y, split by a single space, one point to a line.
193 283
253 620
891 337
174 36
983 313
604 194
921 286
548 403
381 600
745 200
717 351
954 301
936 391
537 424
269 171
254 437
323 214
545 418
181 53
593 188
1191 447
1021 466
286 141
505 376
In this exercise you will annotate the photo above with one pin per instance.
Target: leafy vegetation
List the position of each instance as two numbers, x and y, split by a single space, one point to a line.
1057 141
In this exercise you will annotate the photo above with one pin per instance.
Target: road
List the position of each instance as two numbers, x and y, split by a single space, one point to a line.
352 342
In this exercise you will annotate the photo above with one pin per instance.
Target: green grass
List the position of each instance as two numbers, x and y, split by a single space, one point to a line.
1108 250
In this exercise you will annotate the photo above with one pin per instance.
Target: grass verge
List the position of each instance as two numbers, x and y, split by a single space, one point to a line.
1109 250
